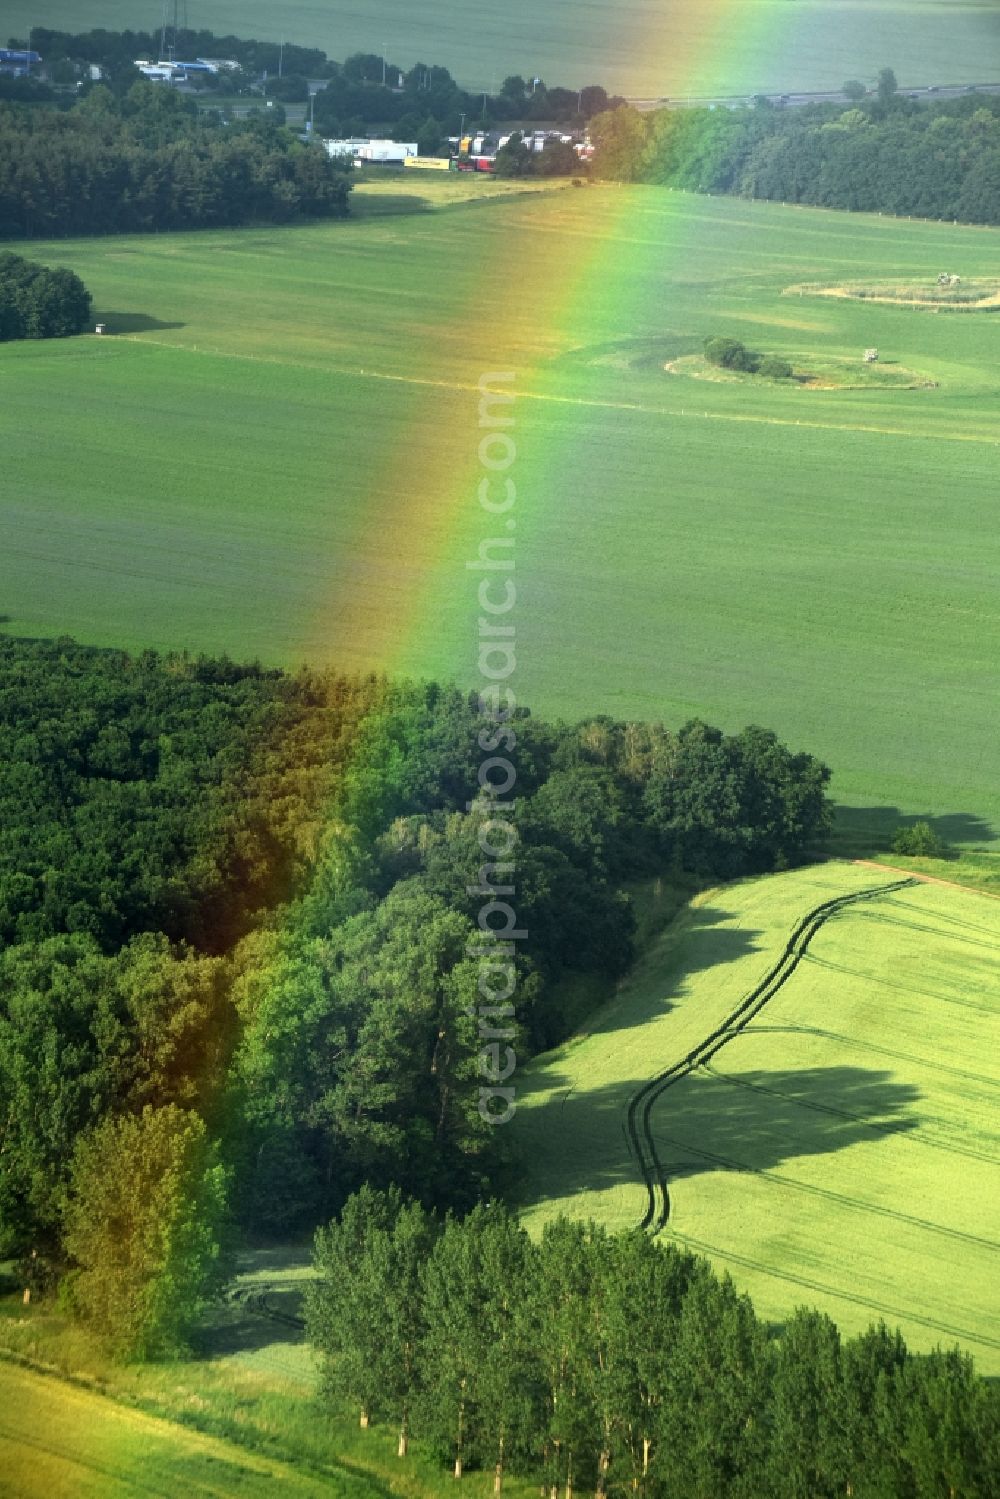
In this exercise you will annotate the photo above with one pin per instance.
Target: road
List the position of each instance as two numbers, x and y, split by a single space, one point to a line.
927 91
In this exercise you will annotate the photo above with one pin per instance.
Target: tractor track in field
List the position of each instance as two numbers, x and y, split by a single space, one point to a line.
638 1131
888 1312
842 1199
254 1299
913 990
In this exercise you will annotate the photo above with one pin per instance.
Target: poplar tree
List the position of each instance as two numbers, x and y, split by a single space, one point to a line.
711 1435
870 1365
808 1453
347 1315
563 1291
479 1400
400 1260
643 1294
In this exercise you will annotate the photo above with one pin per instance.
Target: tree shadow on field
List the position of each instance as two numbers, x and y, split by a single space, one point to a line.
228 1329
724 1119
860 832
661 975
713 1120
133 322
385 205
638 353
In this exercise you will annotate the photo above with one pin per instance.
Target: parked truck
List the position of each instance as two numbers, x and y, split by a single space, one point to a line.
372 152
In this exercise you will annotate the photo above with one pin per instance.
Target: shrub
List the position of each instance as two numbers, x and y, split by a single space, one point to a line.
730 354
773 368
919 839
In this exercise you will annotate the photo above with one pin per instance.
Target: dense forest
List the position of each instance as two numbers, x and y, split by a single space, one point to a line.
39 302
251 895
885 153
150 160
617 1365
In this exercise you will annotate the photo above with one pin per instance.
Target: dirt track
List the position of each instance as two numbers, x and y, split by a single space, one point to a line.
926 879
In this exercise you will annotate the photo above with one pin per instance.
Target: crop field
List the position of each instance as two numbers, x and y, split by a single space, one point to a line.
644 47
275 454
799 1081
61 1441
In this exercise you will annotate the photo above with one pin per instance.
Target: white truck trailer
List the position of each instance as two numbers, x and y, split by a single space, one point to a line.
373 153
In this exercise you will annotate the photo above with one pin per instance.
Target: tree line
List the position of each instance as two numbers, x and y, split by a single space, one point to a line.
249 895
149 161
619 1365
365 91
38 301
115 53
885 153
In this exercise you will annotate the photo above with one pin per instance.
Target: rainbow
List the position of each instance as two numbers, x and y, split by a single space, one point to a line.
419 489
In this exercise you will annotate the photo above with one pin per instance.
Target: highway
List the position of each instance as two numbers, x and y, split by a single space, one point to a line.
926 91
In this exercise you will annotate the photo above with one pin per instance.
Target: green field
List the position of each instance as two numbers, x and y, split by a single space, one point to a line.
841 1150
241 1417
61 1441
645 47
275 455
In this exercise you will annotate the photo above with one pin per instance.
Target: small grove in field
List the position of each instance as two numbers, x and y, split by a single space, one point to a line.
149 160
731 354
39 302
728 360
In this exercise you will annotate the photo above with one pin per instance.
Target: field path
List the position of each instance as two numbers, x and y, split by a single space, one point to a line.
926 879
638 1131
254 1298
470 387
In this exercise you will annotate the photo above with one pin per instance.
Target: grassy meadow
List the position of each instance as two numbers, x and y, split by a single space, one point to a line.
64 1441
841 1150
275 454
646 47
240 1418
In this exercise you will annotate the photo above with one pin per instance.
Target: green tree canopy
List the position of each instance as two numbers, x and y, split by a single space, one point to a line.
38 302
144 1223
